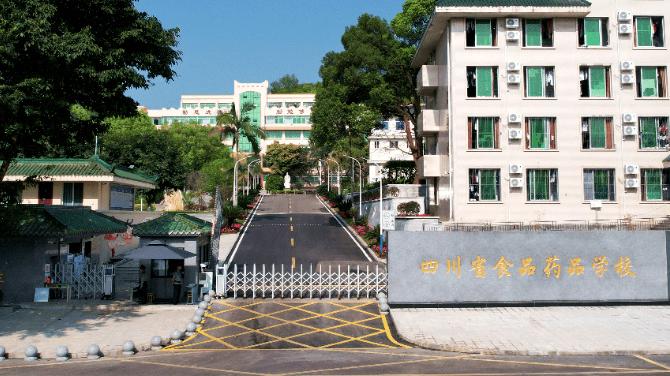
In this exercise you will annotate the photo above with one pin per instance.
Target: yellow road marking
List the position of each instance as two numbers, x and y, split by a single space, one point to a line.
292 262
529 363
262 333
657 364
217 370
389 335
327 315
292 242
204 333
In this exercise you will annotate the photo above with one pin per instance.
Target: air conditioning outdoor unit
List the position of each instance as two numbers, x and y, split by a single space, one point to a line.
513 78
513 35
625 29
514 118
513 66
629 117
631 169
516 182
629 130
632 183
627 66
627 79
515 134
516 169
512 23
624 16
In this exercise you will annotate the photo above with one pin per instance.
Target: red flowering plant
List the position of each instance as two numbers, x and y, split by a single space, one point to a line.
384 251
361 230
232 229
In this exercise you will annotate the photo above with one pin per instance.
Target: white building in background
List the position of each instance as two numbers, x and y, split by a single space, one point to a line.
386 144
285 118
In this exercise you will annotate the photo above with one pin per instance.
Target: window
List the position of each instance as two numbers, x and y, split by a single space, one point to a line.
539 82
393 144
595 82
73 194
656 184
649 32
483 133
482 82
599 185
207 105
542 185
538 33
190 105
399 125
275 104
593 32
484 185
165 268
273 135
293 104
597 133
541 133
45 192
292 135
376 144
306 134
307 104
651 82
653 132
480 32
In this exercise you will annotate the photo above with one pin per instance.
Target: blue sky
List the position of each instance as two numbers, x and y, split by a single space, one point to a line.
251 41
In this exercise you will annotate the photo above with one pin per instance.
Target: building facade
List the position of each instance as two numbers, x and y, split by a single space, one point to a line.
546 110
285 118
386 144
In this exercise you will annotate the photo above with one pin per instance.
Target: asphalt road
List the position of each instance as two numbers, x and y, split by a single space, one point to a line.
293 230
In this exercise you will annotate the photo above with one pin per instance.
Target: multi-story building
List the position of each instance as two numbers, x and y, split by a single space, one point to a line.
546 109
285 118
387 143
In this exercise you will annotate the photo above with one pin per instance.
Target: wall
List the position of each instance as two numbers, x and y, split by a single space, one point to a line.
22 265
96 195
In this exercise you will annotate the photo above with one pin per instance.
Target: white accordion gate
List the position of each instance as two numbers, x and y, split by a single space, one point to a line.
85 281
333 282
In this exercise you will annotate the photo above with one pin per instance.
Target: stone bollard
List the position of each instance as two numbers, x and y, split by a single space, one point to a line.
207 298
93 352
31 353
191 328
129 348
3 353
383 303
203 304
176 337
156 343
200 312
62 353
197 319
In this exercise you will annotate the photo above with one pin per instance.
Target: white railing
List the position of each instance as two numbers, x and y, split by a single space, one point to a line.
85 280
300 282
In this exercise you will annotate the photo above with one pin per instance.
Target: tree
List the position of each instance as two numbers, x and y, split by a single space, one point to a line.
291 159
236 126
197 145
66 65
218 173
289 84
410 24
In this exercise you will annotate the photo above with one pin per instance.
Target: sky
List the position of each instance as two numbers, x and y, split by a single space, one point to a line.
250 41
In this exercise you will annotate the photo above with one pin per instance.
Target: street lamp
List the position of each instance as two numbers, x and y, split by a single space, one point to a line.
249 173
381 207
339 186
235 178
360 185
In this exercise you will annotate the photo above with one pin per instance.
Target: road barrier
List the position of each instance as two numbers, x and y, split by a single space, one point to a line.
259 281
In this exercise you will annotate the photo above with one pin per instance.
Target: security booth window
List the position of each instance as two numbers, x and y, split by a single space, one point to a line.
595 82
480 32
482 82
540 82
651 82
593 32
542 184
483 133
649 31
653 133
165 268
484 185
538 33
541 133
655 184
73 194
599 184
597 133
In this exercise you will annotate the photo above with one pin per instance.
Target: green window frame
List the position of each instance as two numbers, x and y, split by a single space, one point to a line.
207 105
73 194
292 135
599 185
535 84
542 185
274 135
484 185
593 32
306 134
598 82
648 82
483 33
533 33
483 133
539 133
653 133
484 81
644 32
653 184
597 133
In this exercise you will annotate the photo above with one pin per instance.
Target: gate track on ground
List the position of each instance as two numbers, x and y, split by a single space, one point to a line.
279 324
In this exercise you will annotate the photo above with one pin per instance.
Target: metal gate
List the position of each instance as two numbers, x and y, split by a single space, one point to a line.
85 280
333 282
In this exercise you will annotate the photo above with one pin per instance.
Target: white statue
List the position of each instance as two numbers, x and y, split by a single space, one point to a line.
287 181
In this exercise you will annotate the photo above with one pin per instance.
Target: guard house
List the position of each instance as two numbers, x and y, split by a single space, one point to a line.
181 231
79 182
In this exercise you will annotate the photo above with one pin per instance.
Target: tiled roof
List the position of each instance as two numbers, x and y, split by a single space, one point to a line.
513 3
173 225
39 221
72 167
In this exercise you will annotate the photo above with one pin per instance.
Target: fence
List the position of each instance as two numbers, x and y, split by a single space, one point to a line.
85 280
600 225
300 283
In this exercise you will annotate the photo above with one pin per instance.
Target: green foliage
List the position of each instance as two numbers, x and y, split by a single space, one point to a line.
409 208
322 190
289 84
231 213
288 158
239 125
197 145
344 206
399 172
274 183
410 24
218 173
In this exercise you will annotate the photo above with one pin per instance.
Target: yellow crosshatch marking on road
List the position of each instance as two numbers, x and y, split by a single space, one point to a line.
273 324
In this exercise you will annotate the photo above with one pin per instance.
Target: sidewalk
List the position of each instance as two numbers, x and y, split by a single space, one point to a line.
107 324
538 330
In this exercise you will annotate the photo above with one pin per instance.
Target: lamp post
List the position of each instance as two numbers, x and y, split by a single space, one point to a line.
360 185
339 186
249 173
381 207
237 163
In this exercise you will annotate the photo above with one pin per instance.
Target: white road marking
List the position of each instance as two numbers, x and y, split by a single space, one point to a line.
244 231
345 230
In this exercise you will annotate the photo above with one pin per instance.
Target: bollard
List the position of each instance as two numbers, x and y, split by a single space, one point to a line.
200 312
203 304
191 328
128 348
93 352
3 353
207 298
176 336
381 295
156 343
197 319
62 353
31 353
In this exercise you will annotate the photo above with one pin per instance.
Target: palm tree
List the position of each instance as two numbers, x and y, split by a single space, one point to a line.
230 123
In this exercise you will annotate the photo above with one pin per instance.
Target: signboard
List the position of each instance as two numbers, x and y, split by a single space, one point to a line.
41 295
526 267
121 197
388 220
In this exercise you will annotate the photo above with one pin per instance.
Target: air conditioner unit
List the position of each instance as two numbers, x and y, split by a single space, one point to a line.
631 169
627 66
513 35
627 79
629 117
512 23
516 169
625 29
629 130
514 78
515 134
632 183
513 66
516 183
514 118
624 16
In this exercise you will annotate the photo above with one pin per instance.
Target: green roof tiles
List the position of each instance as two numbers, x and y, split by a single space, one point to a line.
513 3
72 167
173 225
